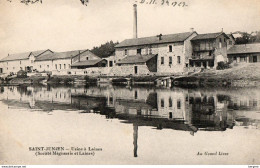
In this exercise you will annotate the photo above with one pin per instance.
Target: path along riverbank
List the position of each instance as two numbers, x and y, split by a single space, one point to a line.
240 75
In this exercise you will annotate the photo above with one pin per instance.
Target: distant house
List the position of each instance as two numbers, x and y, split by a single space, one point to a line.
244 53
157 54
48 61
65 60
208 49
22 61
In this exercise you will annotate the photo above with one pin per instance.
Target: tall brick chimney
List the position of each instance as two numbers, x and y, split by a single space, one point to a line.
135 21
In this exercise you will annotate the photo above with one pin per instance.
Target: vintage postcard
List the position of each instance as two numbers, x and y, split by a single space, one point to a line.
129 82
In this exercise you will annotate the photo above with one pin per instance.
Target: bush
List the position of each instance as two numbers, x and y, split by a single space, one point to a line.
21 74
89 79
222 65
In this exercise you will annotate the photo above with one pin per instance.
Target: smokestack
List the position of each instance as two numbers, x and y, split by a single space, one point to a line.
192 29
135 21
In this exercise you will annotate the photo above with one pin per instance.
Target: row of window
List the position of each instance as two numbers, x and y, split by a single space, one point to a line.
170 60
147 50
170 103
60 66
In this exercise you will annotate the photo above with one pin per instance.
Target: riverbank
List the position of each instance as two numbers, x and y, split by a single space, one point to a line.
239 75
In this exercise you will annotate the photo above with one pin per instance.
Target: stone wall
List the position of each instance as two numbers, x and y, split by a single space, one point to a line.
129 70
88 71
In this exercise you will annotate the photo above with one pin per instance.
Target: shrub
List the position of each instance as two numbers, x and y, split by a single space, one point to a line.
90 80
222 65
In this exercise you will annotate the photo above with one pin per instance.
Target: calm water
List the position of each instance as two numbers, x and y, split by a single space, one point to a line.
132 125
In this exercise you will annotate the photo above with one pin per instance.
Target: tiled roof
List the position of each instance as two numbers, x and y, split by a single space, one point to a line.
87 63
180 37
60 55
135 59
208 36
244 48
25 55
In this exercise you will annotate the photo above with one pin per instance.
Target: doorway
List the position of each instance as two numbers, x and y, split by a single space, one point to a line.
254 58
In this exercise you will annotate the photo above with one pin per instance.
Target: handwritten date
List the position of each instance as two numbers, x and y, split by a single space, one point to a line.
163 2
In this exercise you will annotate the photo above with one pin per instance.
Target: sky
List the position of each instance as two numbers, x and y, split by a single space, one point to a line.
64 25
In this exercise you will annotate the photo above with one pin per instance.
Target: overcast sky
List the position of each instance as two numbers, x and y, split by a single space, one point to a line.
63 25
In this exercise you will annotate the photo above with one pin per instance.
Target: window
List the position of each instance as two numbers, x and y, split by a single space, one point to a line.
48 66
64 66
136 95
162 103
170 48
178 59
56 67
170 60
179 104
20 62
162 60
150 50
126 52
86 58
60 66
220 45
69 65
40 66
170 102
139 51
210 53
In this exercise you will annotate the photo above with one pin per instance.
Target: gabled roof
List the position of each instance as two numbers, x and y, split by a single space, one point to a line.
60 55
208 36
244 48
136 59
25 55
170 38
87 63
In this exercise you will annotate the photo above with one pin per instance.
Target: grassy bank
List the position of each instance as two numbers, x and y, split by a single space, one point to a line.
239 75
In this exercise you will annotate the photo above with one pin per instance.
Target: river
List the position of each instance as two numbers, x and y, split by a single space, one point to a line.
129 125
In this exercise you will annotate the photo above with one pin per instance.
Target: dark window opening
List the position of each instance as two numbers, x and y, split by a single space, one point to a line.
179 104
170 60
170 102
136 94
170 48
162 103
162 60
139 51
178 59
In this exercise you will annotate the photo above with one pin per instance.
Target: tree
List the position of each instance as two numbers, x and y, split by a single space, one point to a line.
245 38
105 50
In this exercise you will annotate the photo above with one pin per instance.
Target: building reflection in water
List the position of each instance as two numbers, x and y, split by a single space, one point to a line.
177 109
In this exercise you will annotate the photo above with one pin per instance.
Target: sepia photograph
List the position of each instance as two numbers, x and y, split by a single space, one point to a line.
129 82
